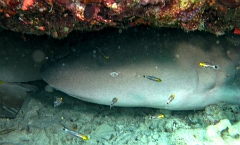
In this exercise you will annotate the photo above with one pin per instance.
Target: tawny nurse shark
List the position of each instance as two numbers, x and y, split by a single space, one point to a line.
146 69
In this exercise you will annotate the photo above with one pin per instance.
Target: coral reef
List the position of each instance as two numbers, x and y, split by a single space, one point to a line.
59 17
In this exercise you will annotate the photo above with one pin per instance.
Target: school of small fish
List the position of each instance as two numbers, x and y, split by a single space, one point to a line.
156 79
59 100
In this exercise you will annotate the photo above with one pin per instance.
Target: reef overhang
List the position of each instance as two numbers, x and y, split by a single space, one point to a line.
58 18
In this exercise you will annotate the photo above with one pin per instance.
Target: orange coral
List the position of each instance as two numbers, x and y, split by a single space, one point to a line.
236 31
211 2
26 4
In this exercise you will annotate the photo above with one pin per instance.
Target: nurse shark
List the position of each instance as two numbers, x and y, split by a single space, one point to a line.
116 65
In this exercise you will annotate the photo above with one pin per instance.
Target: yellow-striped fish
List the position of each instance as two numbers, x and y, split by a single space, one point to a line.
170 98
105 56
84 137
160 116
206 65
153 78
58 101
114 100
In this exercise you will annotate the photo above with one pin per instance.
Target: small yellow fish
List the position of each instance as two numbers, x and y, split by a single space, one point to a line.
170 98
57 102
105 56
160 116
84 137
114 100
152 78
206 65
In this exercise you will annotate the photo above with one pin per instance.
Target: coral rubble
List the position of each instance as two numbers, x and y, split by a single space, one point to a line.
59 17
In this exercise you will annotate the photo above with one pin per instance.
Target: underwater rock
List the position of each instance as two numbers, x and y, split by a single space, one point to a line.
58 18
89 11
224 132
